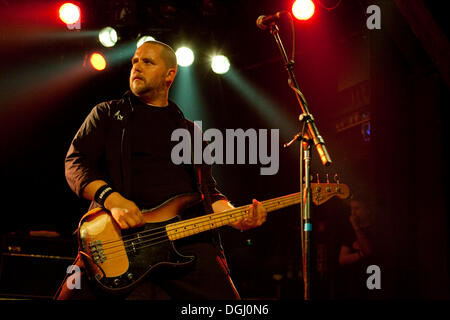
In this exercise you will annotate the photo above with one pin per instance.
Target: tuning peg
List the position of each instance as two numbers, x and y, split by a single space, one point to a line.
336 178
328 178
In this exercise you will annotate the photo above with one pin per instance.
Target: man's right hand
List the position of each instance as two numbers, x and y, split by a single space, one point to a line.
125 212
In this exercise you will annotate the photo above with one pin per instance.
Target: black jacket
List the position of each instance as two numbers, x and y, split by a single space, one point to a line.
101 151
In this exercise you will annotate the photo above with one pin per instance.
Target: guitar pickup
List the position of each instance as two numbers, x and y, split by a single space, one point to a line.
97 252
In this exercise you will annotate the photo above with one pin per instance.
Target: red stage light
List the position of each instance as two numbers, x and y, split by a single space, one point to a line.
303 9
69 13
98 62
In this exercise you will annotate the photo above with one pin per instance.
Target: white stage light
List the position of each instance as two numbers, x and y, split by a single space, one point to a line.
107 37
185 56
220 64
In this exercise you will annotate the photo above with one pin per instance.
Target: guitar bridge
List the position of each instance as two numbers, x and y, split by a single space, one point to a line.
97 252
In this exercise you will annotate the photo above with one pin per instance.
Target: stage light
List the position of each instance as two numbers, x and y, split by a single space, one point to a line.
303 9
144 39
107 37
185 56
220 64
69 13
98 62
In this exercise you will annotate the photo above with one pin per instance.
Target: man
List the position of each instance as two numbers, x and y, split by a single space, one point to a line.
359 246
120 160
356 251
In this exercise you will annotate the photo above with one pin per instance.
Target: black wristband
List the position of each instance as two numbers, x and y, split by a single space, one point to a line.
102 193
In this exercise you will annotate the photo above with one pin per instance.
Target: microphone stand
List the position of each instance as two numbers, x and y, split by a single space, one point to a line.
311 138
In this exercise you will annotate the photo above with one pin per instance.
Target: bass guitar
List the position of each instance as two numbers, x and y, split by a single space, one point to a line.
118 259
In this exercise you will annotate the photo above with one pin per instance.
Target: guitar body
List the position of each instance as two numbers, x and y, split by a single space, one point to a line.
118 259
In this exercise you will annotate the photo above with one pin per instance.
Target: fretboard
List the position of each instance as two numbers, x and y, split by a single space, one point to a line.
194 226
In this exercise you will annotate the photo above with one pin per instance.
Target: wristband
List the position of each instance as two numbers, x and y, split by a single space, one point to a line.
102 193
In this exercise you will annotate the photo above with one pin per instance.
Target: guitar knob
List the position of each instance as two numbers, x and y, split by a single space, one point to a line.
130 276
116 281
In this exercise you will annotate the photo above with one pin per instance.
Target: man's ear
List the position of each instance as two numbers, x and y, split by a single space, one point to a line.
170 77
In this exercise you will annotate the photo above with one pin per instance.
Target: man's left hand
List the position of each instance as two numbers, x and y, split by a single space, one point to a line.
256 217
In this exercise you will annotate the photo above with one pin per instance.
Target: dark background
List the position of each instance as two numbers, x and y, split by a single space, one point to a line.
393 80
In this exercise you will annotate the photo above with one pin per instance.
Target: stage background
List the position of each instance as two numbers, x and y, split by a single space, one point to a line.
378 96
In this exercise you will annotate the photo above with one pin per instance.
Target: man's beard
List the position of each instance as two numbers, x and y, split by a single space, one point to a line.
140 88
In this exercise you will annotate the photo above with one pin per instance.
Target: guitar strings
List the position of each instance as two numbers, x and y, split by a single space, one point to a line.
137 247
142 234
267 204
221 218
202 221
140 245
123 239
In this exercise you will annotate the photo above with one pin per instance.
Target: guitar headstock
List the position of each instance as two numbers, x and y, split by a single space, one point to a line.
322 192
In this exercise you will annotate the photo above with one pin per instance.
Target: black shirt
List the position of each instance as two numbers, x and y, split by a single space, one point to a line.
155 178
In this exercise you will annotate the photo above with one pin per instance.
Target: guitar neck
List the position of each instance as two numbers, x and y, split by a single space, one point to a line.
212 221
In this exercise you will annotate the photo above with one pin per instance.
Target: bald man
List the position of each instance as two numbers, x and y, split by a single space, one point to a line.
120 160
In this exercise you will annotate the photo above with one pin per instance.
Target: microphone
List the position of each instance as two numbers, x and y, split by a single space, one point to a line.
264 22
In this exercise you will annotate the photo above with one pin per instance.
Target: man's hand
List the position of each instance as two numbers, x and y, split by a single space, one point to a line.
125 212
256 218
